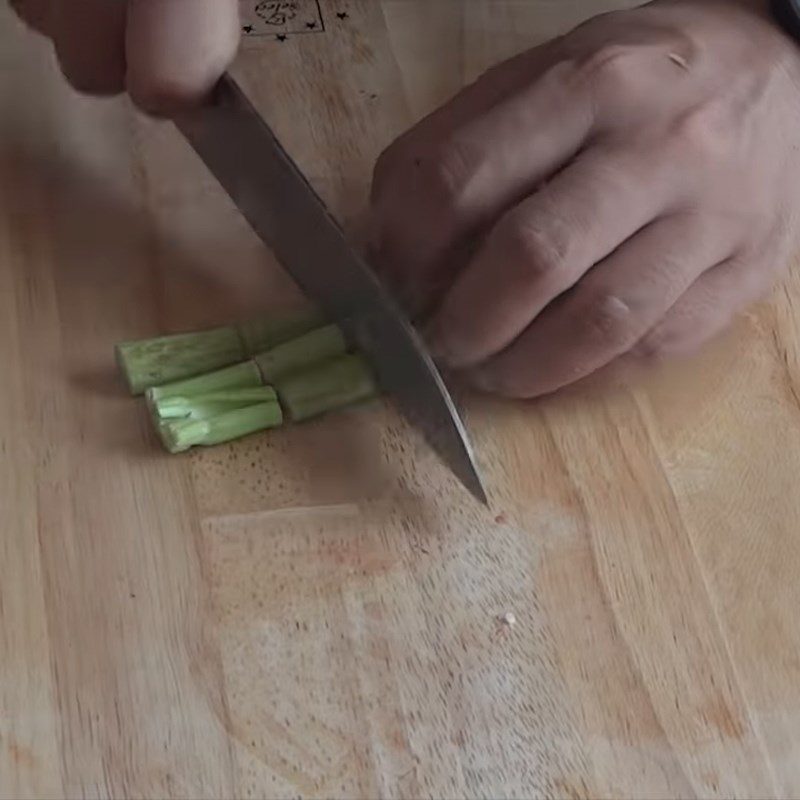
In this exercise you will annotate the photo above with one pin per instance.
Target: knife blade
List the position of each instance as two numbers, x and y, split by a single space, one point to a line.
273 195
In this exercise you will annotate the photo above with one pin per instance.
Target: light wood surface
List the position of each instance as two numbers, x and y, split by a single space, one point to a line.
316 612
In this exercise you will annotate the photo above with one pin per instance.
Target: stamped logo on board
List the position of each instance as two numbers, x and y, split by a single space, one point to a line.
281 18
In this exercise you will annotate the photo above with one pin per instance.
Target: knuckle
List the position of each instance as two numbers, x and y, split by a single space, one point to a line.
700 134
540 250
447 169
609 323
437 175
609 70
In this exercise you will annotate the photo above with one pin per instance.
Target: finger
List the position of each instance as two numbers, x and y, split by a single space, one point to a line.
493 86
702 314
544 246
455 186
706 309
610 310
89 37
178 49
35 13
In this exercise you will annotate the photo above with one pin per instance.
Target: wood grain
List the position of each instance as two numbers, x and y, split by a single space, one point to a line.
317 612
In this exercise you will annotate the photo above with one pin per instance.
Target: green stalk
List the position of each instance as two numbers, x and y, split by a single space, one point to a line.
240 376
170 358
301 353
259 335
205 406
165 359
334 384
181 435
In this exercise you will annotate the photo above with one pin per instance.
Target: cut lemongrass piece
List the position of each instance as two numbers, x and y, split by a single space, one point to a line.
322 344
152 362
165 359
240 376
259 335
333 384
204 406
181 435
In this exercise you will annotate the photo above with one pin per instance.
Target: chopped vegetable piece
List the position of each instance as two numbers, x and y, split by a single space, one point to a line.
302 353
259 335
170 358
204 406
240 376
154 362
333 384
181 435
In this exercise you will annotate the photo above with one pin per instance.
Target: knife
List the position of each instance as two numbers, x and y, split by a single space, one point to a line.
273 195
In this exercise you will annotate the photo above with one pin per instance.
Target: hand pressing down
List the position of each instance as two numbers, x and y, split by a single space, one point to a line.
616 194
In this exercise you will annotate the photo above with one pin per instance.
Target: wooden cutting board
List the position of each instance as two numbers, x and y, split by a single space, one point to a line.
318 612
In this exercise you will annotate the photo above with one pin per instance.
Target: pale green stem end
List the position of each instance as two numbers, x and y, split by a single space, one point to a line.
181 435
205 406
240 376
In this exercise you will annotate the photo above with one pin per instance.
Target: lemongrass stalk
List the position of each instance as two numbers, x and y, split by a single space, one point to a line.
333 384
316 346
204 406
321 344
166 359
181 435
259 335
240 376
